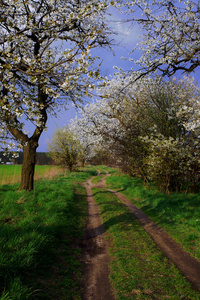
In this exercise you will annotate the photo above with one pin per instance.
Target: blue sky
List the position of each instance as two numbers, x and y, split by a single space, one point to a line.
127 38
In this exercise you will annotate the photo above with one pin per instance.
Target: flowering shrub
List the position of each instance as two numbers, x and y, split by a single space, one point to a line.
150 128
171 163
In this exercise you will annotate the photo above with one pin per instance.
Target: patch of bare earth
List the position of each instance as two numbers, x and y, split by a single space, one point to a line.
96 258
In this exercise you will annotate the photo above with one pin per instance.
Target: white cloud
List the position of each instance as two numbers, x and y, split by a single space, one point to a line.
126 33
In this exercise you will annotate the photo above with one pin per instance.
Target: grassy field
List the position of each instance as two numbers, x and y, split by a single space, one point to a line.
138 270
40 253
40 233
178 214
10 174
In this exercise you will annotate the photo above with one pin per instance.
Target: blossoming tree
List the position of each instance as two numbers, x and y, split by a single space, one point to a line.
171 35
46 60
89 137
64 148
114 119
151 128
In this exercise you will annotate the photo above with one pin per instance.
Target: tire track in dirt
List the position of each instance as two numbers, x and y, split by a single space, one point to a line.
95 258
188 265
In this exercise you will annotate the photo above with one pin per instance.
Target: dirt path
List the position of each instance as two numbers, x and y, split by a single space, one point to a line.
96 259
96 248
188 265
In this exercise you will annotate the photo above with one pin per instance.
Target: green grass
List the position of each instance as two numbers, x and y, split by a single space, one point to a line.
138 269
104 169
97 179
101 169
178 214
40 232
10 174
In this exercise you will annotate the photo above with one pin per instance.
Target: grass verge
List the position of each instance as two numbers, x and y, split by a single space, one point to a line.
40 232
10 174
97 179
104 169
178 213
138 269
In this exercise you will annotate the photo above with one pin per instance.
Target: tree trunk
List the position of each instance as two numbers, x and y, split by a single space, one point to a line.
29 144
28 166
82 163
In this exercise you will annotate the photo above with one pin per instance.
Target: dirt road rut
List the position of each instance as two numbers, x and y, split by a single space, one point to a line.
96 259
96 250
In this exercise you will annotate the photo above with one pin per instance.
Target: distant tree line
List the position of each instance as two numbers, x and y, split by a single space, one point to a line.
42 158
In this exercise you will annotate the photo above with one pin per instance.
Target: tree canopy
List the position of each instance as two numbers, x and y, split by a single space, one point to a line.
171 35
45 60
150 130
64 147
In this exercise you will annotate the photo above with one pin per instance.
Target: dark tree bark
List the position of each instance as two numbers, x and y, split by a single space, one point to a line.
28 166
29 144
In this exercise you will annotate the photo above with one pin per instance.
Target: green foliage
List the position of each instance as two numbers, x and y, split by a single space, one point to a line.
171 156
138 270
172 164
39 257
64 147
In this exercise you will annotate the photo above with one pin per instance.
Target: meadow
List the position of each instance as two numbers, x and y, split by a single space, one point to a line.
42 230
10 174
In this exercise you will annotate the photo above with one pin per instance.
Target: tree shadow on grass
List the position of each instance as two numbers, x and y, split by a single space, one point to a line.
38 255
105 191
124 220
172 207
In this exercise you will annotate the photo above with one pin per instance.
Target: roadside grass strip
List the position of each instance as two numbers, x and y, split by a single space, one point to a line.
97 179
40 233
138 270
177 213
101 169
104 169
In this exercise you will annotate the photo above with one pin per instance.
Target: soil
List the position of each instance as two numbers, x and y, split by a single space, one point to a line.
97 285
95 258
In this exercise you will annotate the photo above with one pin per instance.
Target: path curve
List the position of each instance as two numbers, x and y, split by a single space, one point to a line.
96 251
187 264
